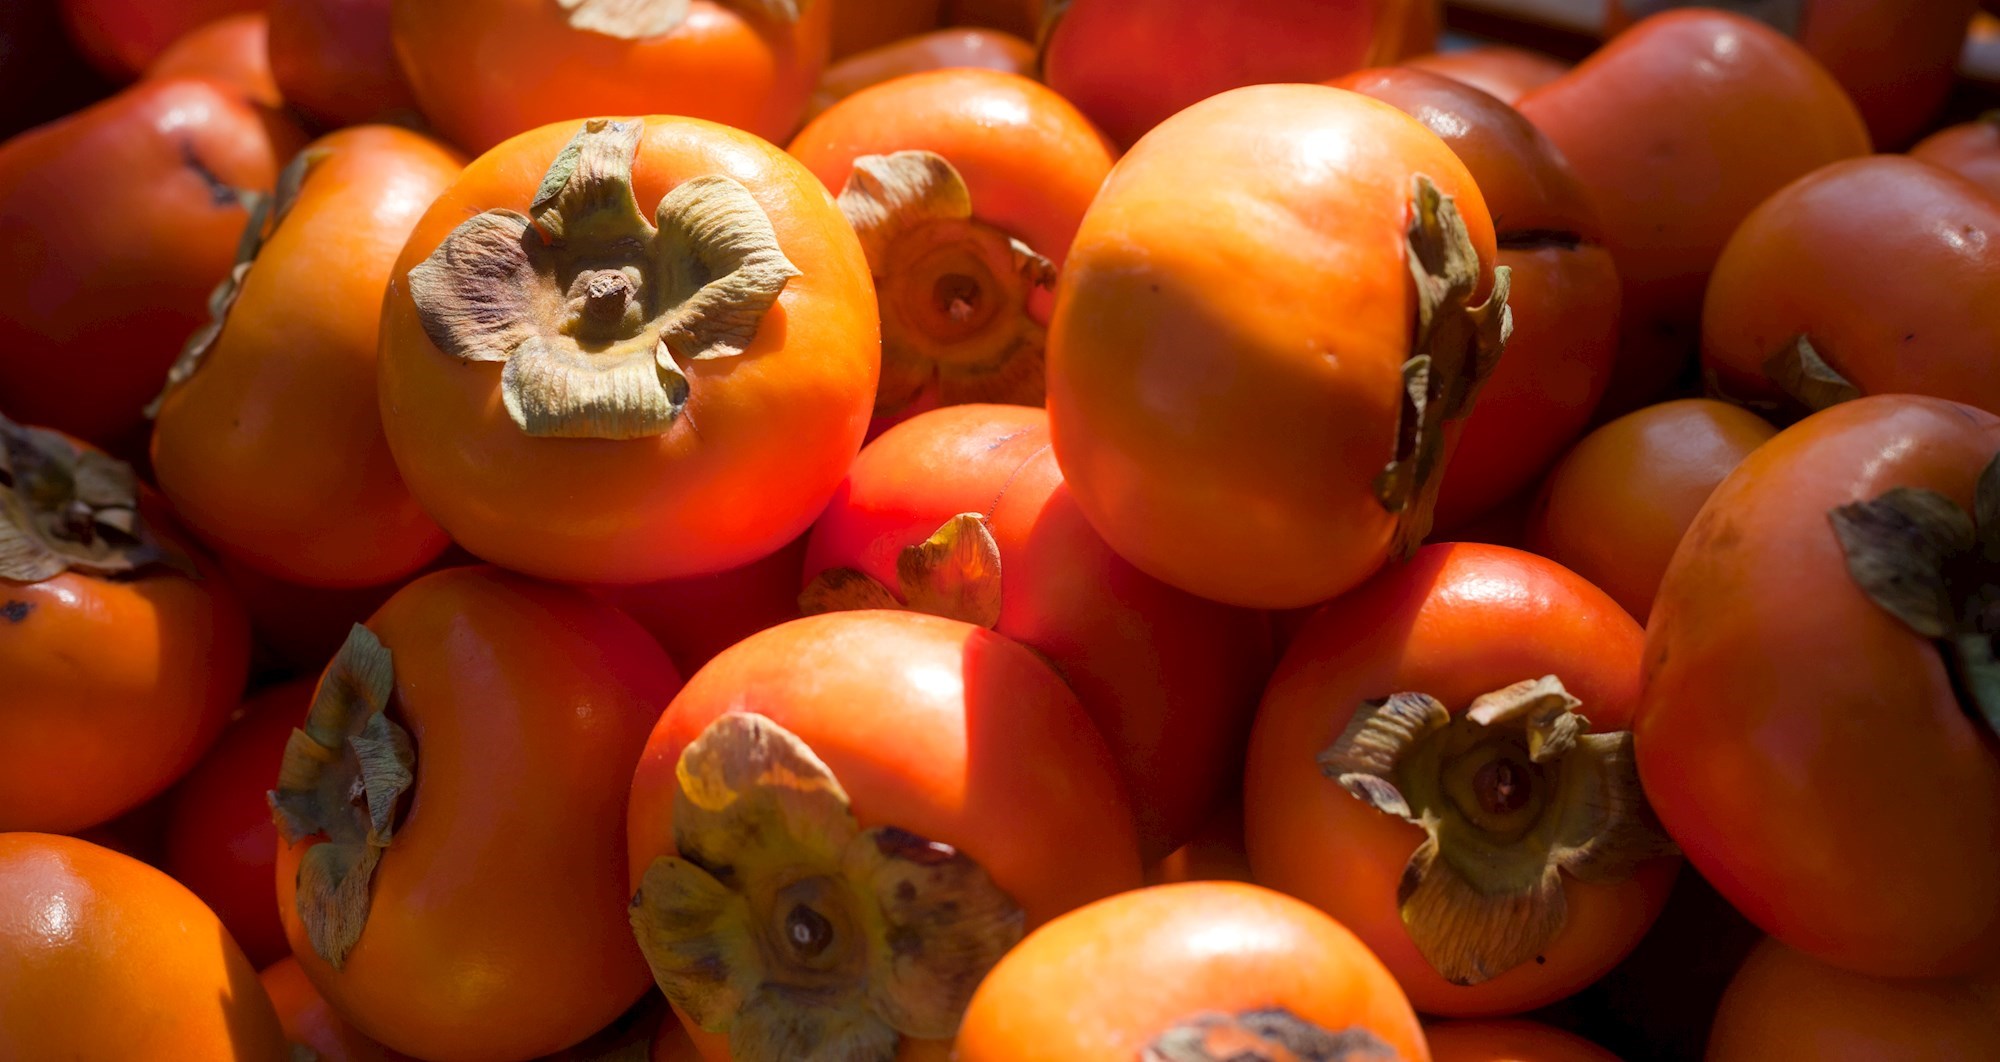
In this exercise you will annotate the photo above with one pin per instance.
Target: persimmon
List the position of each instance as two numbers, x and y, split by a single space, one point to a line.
299 628
641 403
310 1023
485 70
123 37
123 650
220 842
114 224
1129 64
1805 652
1783 1004
1679 127
1207 970
1423 21
1505 73
335 62
1969 149
966 187
453 879
858 27
695 618
1509 1041
1615 508
1018 17
232 50
843 822
671 1044
945 49
41 75
101 955
1259 340
962 512
1564 292
1896 59
1215 853
1787 325
269 439
1443 764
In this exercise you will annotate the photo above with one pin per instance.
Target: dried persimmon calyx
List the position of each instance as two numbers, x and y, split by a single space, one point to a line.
1271 1034
588 304
1511 794
953 290
65 507
955 573
784 925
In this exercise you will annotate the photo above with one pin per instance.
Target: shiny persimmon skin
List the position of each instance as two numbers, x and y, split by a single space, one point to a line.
309 1022
1780 698
334 61
858 27
123 37
946 49
765 437
114 687
485 70
273 450
941 728
1614 509
497 927
1679 128
1927 326
102 956
1897 60
694 619
1564 297
1971 150
1129 64
1170 680
1459 620
1509 1041
1225 359
1101 983
1784 1005
231 50
1505 73
112 233
220 841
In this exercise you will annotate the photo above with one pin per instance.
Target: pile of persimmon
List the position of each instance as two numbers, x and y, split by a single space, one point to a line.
997 530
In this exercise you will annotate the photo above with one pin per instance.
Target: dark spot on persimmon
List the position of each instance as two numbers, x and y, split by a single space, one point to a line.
1541 960
16 611
220 192
1539 240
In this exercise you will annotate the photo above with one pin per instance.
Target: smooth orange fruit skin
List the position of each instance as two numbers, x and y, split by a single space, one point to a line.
1101 983
944 49
1679 127
485 70
273 450
765 437
694 619
1970 149
497 928
1780 701
1225 359
335 62
123 37
1510 1041
101 956
859 25
231 50
1505 73
114 688
113 230
309 1022
941 728
1889 265
1785 1007
1616 506
1459 620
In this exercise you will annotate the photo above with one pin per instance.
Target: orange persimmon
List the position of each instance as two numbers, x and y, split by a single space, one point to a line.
1679 128
310 1023
1615 507
1509 1041
123 37
1216 969
695 618
231 50
1817 725
269 438
580 395
334 62
1783 1005
859 25
467 756
1970 149
101 956
1249 385
945 49
1443 763
966 187
485 70
1505 73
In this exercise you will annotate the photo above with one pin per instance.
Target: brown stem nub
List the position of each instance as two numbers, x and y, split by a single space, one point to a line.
1457 345
1510 795
1800 372
65 507
587 303
1272 1034
953 290
955 573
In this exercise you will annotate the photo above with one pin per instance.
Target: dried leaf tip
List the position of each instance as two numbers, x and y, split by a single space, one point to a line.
66 507
955 573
